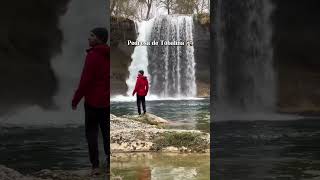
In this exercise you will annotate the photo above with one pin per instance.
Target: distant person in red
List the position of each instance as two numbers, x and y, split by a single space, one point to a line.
141 88
94 86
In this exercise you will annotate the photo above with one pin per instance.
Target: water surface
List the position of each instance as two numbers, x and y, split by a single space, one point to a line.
266 149
161 166
35 148
184 114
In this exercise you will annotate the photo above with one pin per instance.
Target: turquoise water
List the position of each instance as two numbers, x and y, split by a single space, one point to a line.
185 114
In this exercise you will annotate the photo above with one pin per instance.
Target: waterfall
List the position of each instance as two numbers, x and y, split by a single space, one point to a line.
140 55
172 68
76 25
169 68
244 76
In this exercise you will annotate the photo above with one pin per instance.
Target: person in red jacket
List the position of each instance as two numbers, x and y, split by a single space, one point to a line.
94 86
141 88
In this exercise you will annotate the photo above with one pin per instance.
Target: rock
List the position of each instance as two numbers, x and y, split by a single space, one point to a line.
116 178
61 175
128 135
149 119
46 174
122 29
120 123
156 119
183 149
10 174
170 149
201 38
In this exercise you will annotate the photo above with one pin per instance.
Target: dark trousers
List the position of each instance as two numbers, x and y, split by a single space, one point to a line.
141 100
95 117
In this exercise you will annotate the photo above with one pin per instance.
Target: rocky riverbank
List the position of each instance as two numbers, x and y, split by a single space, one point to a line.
148 133
10 174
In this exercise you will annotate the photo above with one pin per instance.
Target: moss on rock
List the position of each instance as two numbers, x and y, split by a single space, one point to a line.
193 142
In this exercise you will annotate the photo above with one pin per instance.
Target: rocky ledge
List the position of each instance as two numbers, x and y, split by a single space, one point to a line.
10 174
148 133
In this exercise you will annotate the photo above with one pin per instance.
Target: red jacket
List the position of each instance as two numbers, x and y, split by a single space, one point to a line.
94 84
142 86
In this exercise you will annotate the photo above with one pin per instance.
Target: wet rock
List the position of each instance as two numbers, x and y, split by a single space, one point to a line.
170 149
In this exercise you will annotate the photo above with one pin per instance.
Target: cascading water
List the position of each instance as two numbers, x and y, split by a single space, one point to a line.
170 68
140 55
244 76
76 25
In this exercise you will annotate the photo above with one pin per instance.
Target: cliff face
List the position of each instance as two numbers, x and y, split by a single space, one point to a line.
29 38
121 30
296 40
201 38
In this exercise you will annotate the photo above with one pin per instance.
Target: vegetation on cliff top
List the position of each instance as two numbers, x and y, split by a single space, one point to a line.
203 19
146 9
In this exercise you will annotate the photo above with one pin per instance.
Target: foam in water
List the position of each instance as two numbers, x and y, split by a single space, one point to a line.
121 98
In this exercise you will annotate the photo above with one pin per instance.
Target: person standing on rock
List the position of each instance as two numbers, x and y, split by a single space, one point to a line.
141 88
94 86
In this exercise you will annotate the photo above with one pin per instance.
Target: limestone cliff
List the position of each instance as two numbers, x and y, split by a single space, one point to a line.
121 30
296 43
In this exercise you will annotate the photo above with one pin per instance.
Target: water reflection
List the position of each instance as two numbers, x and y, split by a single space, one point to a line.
144 173
161 166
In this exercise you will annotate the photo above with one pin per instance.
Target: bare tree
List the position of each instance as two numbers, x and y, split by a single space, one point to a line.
168 4
112 6
185 6
201 6
124 8
144 9
148 3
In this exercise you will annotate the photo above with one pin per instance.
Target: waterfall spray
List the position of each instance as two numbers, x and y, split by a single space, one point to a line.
76 25
244 76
